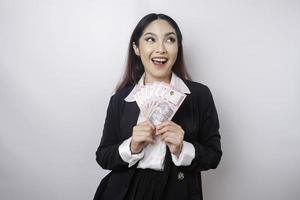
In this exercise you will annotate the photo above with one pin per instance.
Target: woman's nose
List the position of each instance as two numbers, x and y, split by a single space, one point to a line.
161 48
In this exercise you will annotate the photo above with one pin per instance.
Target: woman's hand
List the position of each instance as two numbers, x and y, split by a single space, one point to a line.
172 134
142 134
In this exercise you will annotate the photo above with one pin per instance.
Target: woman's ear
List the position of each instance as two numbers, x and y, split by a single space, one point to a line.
136 49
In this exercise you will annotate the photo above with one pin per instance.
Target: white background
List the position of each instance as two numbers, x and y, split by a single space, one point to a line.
60 61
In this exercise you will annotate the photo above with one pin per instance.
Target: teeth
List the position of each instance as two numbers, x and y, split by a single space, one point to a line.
160 59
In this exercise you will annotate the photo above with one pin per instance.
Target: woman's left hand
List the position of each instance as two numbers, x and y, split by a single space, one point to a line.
172 134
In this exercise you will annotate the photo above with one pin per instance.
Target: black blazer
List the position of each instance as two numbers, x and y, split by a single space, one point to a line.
197 116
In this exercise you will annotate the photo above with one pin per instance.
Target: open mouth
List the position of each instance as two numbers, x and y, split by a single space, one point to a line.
159 60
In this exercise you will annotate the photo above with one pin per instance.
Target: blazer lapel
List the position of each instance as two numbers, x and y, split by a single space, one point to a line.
129 119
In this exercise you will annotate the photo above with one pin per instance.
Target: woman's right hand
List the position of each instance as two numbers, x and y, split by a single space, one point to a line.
142 134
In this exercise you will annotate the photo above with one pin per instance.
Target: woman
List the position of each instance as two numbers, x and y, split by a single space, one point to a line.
163 161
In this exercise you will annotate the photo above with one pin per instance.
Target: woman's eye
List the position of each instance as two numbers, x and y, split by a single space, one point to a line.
150 39
172 40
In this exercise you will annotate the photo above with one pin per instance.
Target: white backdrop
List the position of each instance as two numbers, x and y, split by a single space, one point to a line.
61 59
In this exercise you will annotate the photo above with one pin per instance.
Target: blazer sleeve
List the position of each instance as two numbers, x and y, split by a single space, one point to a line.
208 146
107 154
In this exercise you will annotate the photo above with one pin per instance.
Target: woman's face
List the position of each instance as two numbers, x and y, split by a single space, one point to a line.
158 48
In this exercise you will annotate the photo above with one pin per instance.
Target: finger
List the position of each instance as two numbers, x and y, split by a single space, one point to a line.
171 140
175 125
147 138
149 123
169 124
166 134
144 138
143 134
170 136
163 124
150 140
146 133
171 128
144 127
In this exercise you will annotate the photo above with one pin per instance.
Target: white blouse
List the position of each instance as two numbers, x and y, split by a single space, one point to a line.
153 155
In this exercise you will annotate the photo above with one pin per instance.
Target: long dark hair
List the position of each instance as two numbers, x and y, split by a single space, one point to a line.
134 67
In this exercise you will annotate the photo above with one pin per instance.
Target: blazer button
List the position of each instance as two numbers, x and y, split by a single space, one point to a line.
180 176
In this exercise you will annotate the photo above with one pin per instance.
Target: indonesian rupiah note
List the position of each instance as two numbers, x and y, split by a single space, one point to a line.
158 101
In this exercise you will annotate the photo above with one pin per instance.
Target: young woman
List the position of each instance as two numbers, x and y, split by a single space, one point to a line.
164 161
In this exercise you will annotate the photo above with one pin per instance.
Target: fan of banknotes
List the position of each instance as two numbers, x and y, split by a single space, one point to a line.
158 101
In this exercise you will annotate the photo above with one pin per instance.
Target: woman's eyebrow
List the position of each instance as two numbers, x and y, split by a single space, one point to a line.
170 33
167 34
149 33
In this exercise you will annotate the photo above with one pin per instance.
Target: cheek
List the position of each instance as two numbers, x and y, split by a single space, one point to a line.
145 57
173 54
173 50
145 52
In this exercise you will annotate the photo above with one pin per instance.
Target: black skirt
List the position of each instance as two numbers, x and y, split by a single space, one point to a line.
147 184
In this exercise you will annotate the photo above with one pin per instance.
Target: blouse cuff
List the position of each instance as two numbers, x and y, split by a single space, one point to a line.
127 156
186 156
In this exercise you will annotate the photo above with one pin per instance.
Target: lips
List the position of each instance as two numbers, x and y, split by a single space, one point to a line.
159 60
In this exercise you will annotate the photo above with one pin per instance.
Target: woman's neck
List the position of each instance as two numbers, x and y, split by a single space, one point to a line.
148 80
